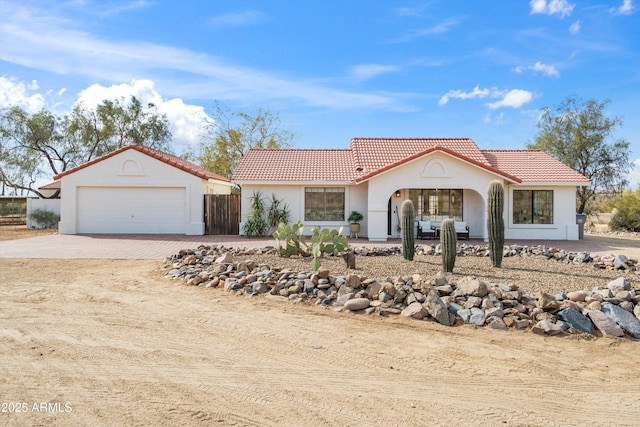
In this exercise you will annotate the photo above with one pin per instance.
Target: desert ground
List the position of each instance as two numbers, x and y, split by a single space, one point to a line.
112 342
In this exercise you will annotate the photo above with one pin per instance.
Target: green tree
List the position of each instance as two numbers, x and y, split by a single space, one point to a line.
115 124
30 146
580 135
231 134
36 146
627 211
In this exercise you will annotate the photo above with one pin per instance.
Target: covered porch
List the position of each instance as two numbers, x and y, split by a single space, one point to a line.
433 205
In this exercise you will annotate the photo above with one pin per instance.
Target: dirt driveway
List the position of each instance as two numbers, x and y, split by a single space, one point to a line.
114 343
111 342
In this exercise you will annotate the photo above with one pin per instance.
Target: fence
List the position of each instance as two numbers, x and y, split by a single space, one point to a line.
222 214
13 210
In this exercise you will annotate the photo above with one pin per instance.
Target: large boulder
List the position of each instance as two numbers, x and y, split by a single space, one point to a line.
437 308
356 304
472 286
623 318
604 324
415 310
576 320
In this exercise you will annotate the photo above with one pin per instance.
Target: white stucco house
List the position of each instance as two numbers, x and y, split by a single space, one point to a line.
136 190
444 177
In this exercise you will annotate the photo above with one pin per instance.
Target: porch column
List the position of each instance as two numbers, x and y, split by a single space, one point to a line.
377 222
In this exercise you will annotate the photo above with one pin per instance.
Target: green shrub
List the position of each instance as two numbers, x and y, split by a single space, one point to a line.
627 211
261 219
44 218
277 213
355 217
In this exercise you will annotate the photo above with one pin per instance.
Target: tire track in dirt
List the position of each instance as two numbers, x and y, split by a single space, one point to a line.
125 350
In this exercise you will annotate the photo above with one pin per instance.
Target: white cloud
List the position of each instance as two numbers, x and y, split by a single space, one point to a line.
40 40
108 9
575 27
561 7
369 71
15 93
539 67
240 19
186 120
439 28
634 174
498 120
410 11
456 93
625 9
515 98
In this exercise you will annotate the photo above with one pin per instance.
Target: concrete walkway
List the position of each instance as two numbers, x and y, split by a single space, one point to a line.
159 247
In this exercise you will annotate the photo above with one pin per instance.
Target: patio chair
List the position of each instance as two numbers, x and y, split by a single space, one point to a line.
462 229
426 230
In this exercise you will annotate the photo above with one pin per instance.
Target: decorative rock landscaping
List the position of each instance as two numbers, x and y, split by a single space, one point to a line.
613 310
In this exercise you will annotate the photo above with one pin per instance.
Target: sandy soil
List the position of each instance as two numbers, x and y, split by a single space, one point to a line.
114 343
14 232
620 245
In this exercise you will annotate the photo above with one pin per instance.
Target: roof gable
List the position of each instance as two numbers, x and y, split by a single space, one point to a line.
167 158
448 151
374 154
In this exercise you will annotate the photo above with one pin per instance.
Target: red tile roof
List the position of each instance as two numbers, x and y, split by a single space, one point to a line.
372 154
533 166
369 157
444 150
261 164
167 158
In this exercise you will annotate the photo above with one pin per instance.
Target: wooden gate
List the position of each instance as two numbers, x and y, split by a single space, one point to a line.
13 210
222 214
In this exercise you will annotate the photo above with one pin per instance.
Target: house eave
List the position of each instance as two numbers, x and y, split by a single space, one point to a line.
294 183
553 184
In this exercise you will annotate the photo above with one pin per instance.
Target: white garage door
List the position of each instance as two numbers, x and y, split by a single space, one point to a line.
131 210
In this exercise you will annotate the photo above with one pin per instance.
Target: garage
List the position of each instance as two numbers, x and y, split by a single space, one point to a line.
136 190
126 210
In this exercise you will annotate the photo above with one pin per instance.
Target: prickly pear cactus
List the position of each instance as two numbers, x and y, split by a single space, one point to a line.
448 243
408 238
495 222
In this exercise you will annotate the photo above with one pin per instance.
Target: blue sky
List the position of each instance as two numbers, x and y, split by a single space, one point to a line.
332 69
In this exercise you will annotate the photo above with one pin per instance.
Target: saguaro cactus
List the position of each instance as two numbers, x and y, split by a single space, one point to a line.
448 243
495 222
408 238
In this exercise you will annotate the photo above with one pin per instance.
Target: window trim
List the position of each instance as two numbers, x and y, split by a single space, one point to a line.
532 224
324 187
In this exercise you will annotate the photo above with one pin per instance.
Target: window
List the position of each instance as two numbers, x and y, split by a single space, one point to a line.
324 204
533 206
437 204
